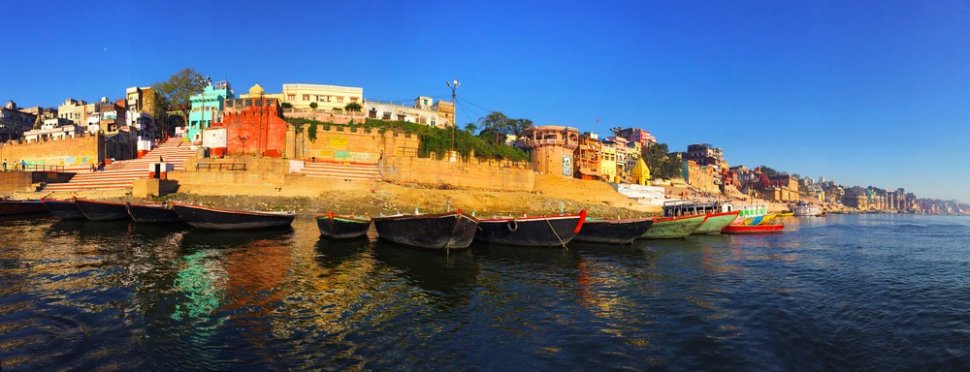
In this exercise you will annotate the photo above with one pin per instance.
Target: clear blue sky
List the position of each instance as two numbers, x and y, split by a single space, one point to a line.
865 92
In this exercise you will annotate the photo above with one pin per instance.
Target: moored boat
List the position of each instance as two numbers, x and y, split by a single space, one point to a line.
756 229
539 231
674 227
63 209
803 209
336 226
152 213
759 220
715 222
97 210
229 219
16 207
620 231
454 230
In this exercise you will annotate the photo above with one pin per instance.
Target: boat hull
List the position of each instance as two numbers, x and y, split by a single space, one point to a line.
757 229
342 227
613 231
440 231
715 222
674 228
152 214
102 211
224 219
63 209
18 207
529 232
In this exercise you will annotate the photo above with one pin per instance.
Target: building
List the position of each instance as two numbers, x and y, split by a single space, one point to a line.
620 145
608 161
207 108
706 155
13 122
326 97
253 126
856 197
108 117
40 114
446 112
77 111
423 111
640 136
551 148
699 176
53 133
587 157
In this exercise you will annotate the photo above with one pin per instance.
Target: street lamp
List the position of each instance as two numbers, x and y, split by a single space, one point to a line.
454 84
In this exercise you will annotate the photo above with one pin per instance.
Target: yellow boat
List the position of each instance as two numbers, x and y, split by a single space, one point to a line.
759 220
786 214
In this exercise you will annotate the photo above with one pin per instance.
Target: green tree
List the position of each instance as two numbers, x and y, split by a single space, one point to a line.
286 105
353 107
471 128
661 163
179 89
313 106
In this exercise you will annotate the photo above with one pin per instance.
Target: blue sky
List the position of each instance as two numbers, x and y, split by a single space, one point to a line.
865 92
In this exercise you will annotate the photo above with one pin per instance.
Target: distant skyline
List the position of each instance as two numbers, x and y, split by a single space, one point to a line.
863 92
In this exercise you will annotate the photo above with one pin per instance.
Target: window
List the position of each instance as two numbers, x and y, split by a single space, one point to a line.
387 116
306 97
353 99
291 97
340 99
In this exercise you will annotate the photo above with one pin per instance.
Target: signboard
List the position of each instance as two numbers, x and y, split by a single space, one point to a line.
567 165
214 138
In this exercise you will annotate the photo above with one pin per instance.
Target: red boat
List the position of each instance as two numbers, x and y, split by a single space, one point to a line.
757 229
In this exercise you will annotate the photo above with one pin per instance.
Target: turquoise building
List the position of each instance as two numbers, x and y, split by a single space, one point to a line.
206 108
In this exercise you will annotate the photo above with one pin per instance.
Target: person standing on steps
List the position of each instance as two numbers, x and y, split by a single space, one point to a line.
4 165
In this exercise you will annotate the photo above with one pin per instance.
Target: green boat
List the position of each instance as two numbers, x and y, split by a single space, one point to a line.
674 227
715 222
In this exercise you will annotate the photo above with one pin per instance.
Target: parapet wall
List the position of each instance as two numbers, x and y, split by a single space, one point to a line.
78 152
352 145
486 174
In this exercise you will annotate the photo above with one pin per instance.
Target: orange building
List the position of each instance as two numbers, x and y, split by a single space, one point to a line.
254 126
551 148
587 157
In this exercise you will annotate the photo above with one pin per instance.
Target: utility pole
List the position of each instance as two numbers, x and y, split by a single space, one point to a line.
454 104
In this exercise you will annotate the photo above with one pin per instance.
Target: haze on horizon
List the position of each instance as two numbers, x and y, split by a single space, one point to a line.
865 93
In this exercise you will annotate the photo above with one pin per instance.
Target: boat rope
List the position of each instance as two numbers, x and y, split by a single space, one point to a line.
556 234
513 225
453 229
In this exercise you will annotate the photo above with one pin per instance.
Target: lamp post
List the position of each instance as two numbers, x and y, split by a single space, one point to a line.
454 84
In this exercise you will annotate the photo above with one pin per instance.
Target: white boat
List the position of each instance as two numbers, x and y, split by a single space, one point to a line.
805 209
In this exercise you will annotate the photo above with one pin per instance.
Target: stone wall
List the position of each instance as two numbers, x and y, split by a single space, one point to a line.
79 152
351 145
491 174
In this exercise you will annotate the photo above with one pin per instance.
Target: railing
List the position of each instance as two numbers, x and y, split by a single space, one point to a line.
221 166
33 168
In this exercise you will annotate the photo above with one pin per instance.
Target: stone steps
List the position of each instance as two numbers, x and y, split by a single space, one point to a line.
342 171
121 174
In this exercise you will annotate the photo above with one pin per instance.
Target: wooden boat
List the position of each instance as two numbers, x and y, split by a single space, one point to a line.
715 222
335 226
228 219
759 220
674 227
454 230
613 231
803 209
96 210
756 229
63 209
539 231
152 213
15 207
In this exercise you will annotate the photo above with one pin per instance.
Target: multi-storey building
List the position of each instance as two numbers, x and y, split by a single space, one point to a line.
608 161
207 108
326 97
13 122
587 156
551 148
77 111
423 111
640 136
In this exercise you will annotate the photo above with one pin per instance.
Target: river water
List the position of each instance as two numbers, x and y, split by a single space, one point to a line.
841 292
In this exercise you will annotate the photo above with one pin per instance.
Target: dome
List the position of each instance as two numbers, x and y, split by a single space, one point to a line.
256 90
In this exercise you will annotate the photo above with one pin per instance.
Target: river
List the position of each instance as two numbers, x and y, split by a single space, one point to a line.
840 292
